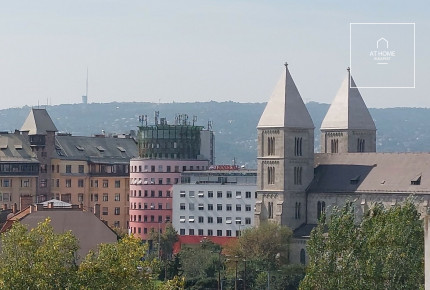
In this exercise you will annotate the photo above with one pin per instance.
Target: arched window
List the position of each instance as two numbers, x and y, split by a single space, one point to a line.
303 256
271 175
298 146
360 145
270 145
270 210
320 208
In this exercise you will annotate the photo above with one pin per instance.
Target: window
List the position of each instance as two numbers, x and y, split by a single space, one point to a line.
228 207
105 197
334 145
80 168
191 206
271 175
160 206
229 194
210 194
270 145
105 183
210 220
201 219
298 175
210 206
297 212
182 206
160 168
116 224
80 183
68 183
191 194
219 220
43 183
238 194
201 194
238 220
191 232
320 208
152 193
302 256
160 180
117 211
201 206
105 211
238 207
168 193
298 146
228 220
68 168
168 168
117 197
145 218
191 219
117 183
160 193
360 145
57 183
6 197
228 233
219 194
415 181
182 232
247 221
270 209
210 233
219 233
200 232
168 181
25 183
182 219
248 194
219 206
182 193
80 197
160 219
152 218
94 183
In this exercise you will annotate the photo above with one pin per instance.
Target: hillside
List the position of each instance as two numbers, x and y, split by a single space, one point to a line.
234 124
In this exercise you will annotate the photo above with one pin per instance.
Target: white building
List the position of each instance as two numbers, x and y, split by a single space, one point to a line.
214 202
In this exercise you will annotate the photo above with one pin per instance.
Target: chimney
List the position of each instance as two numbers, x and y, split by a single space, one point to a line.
51 204
31 209
81 206
14 208
97 210
39 207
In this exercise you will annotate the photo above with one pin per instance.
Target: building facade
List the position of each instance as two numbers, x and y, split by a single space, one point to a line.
214 202
296 186
165 152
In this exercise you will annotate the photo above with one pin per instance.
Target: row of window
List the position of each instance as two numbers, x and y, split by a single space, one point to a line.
69 168
6 197
149 206
149 193
151 218
209 232
95 197
105 211
6 182
167 168
105 183
210 207
139 181
210 220
219 194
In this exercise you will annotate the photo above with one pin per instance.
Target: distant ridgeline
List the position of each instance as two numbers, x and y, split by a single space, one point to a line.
234 124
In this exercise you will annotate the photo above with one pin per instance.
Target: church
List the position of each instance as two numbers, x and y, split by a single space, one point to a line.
295 185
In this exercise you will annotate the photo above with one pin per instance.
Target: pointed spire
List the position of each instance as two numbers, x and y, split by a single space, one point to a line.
348 110
285 107
38 122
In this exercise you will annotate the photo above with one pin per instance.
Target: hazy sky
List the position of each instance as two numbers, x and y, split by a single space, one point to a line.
187 51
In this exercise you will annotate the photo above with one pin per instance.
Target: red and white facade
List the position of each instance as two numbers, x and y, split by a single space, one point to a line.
151 182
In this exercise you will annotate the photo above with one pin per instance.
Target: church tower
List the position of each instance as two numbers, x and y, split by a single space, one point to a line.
285 157
348 126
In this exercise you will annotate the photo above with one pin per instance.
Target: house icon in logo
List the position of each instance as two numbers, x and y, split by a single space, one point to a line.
381 42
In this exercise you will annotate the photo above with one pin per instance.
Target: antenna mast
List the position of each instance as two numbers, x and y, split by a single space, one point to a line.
86 92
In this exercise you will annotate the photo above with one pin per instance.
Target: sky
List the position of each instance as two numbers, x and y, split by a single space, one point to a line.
197 50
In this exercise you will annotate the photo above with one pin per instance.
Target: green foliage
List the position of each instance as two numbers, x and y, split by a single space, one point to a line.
384 251
117 266
265 246
38 258
200 265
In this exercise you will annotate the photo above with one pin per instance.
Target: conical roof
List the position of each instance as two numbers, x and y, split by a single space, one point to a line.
285 107
38 122
348 110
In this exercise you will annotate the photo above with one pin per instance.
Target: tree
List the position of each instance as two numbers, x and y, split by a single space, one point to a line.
118 266
37 259
264 248
383 251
